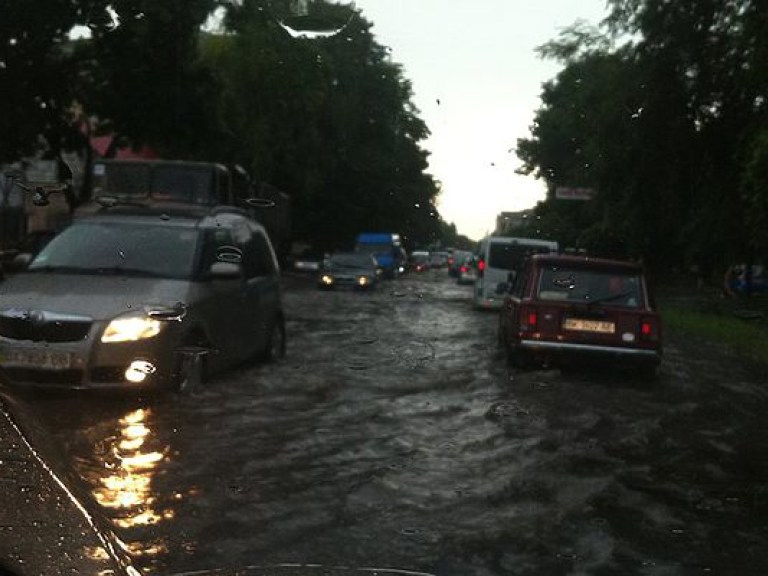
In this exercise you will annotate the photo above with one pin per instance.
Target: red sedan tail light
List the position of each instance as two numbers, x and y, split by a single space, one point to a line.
529 320
649 329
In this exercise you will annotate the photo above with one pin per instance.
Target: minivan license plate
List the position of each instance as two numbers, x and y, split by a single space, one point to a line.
43 359
583 325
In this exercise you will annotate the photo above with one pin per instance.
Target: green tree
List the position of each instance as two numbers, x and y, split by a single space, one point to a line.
147 84
329 121
666 127
717 50
40 73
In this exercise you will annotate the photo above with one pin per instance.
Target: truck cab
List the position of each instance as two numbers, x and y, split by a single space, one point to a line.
386 247
181 182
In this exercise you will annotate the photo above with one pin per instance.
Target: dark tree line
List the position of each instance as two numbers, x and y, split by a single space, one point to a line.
329 121
663 111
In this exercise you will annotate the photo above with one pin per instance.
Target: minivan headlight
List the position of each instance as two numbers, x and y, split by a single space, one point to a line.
131 329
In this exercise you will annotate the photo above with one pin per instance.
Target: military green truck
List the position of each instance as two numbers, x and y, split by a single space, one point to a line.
31 211
196 183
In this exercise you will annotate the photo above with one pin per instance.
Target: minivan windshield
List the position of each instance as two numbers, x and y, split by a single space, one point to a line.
128 248
351 261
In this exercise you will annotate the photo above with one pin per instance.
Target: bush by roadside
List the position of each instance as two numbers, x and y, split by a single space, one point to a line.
739 323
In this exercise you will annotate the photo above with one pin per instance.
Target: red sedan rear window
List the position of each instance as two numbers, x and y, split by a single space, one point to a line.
615 288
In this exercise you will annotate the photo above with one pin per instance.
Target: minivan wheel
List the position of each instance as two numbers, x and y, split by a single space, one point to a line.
191 371
276 343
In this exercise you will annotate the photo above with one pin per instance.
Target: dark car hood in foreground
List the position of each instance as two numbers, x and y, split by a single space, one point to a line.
304 570
47 525
94 296
50 525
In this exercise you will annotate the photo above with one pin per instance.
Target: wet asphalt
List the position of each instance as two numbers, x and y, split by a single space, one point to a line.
394 435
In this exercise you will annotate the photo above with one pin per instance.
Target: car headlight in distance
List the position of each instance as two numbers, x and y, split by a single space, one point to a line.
326 279
363 281
131 329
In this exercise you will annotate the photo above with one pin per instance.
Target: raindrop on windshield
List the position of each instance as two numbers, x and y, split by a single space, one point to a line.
311 19
114 18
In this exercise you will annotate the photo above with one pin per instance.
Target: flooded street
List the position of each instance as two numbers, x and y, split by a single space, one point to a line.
394 435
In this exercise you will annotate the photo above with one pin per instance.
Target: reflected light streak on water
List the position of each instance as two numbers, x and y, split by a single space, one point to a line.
127 488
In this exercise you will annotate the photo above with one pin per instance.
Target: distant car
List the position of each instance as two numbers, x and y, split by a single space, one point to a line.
736 280
16 259
143 297
419 261
455 261
350 269
438 259
499 258
467 273
309 260
568 309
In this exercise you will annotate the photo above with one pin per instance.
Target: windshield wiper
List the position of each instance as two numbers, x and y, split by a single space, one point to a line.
63 269
123 271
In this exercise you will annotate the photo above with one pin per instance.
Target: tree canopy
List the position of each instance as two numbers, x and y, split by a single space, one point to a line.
329 121
663 113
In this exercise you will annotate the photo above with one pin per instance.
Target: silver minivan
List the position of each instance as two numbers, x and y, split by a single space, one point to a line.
499 258
137 297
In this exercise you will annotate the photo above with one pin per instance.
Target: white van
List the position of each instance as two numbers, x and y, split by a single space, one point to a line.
499 258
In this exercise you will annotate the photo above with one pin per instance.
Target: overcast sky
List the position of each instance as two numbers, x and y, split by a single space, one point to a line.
477 82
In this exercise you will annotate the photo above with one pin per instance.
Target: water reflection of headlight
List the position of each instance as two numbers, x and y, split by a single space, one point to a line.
141 461
128 487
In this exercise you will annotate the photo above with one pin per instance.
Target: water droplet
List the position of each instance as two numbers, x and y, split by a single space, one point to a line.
311 19
114 18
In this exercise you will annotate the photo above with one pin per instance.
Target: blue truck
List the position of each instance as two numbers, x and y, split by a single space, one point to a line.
386 248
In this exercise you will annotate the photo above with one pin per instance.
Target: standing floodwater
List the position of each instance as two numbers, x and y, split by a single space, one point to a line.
394 435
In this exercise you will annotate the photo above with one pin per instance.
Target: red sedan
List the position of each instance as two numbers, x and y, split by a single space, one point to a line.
563 309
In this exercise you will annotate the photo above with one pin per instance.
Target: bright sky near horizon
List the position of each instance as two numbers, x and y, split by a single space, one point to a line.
477 82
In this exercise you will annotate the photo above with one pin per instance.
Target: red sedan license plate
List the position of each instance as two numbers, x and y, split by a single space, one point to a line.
583 325
44 359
